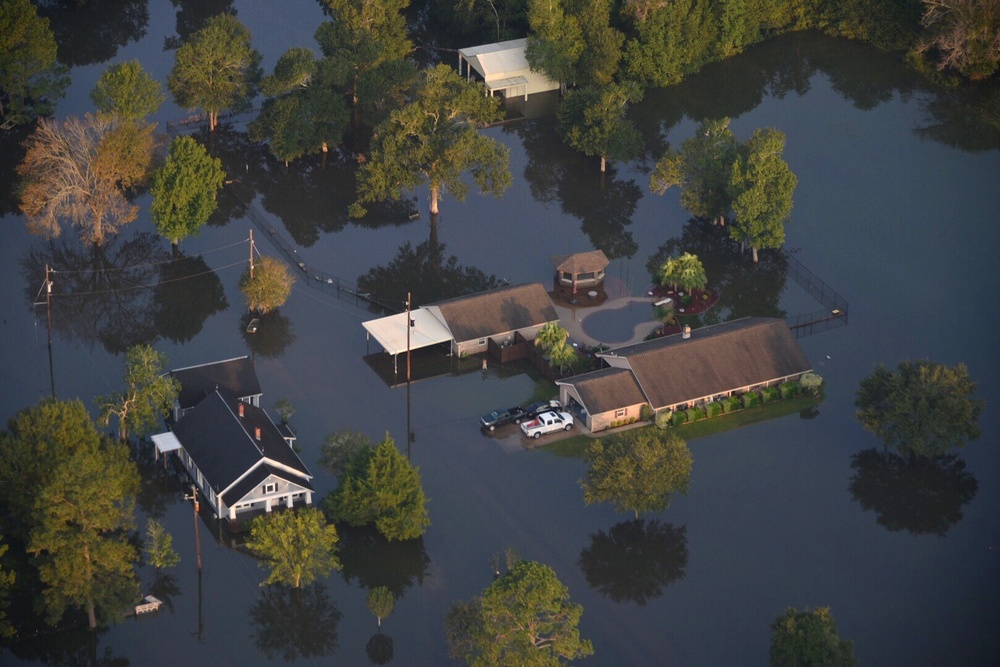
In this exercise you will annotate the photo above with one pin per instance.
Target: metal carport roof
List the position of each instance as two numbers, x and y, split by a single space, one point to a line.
390 332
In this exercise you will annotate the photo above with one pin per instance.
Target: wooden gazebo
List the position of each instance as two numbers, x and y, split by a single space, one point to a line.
581 269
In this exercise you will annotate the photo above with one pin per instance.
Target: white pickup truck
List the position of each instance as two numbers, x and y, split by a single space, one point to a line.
547 422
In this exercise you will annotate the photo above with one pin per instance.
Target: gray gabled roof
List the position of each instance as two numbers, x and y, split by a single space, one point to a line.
242 489
581 262
606 389
714 360
224 445
237 375
497 311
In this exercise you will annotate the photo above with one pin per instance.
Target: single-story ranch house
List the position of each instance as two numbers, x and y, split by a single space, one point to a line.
686 369
468 323
239 459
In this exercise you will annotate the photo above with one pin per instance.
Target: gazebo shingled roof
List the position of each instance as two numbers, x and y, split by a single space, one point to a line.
581 262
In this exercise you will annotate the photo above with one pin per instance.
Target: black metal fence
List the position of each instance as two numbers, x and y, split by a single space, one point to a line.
311 275
835 307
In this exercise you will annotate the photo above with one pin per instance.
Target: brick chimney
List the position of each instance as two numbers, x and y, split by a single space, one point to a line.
256 432
241 408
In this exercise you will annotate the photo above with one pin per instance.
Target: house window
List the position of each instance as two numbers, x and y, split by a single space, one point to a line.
482 341
270 488
621 412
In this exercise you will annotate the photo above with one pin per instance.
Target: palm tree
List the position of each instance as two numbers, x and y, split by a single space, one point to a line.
551 336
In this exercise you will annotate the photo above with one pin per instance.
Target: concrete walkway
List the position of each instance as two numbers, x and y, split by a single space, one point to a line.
571 317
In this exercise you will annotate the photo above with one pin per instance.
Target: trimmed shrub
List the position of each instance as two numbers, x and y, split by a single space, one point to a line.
679 417
663 419
646 413
811 383
694 414
751 399
789 389
770 394
732 403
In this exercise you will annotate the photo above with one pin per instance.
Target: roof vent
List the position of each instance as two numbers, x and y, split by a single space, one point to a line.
686 332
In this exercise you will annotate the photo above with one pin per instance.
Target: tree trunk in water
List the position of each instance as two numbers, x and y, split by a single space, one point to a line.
213 120
754 248
175 246
603 164
434 200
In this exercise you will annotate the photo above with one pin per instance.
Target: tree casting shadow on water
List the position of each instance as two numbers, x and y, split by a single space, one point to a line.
920 495
635 559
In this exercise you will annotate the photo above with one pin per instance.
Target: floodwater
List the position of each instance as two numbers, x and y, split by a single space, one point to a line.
894 209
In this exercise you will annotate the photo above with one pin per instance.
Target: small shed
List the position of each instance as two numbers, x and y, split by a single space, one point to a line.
503 66
581 269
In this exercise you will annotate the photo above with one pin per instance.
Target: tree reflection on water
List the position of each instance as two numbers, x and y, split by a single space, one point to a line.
375 561
920 495
635 559
295 622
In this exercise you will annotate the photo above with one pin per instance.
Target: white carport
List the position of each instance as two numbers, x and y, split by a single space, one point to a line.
164 443
504 67
390 332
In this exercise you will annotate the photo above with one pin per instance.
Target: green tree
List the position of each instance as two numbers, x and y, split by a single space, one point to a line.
217 69
381 602
267 285
380 486
761 189
30 78
285 409
701 169
555 41
128 90
592 120
36 441
362 36
525 617
79 533
686 272
808 639
922 409
339 448
80 171
550 336
637 470
670 39
184 190
304 112
148 397
563 356
298 545
7 579
962 35
158 546
602 53
435 140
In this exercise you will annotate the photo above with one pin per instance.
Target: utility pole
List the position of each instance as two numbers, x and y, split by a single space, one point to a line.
48 319
197 533
251 254
47 286
409 325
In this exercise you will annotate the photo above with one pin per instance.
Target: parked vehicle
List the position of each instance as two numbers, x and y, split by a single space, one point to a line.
502 416
538 407
547 422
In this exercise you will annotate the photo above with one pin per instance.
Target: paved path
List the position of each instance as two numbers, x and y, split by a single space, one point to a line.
571 317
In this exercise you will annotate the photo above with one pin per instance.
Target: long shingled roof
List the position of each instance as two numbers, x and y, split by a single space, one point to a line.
497 311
